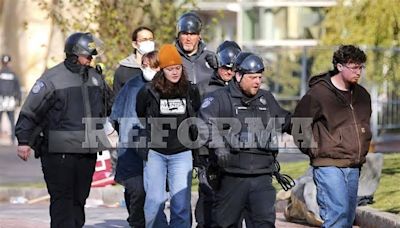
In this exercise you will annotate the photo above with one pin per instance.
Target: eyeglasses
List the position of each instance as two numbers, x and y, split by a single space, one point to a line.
356 68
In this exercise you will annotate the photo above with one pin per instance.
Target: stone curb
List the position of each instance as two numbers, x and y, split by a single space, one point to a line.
367 217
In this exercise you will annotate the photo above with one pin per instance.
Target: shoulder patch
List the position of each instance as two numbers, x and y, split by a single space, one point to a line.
95 81
263 100
206 102
37 87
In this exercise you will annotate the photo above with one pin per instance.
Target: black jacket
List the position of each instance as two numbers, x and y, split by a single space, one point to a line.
208 86
341 130
62 101
10 91
150 105
231 103
128 68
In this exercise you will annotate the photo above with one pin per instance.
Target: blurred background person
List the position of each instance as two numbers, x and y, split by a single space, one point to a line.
10 94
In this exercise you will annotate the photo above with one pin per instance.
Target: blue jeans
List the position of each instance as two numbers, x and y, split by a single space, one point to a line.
337 195
177 170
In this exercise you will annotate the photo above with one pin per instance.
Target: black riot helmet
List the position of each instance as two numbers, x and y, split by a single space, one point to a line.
82 44
227 53
248 63
189 23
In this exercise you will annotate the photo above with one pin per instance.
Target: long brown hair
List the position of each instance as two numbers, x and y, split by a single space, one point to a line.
167 89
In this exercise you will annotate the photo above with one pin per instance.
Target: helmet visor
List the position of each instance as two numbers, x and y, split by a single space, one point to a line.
89 45
99 46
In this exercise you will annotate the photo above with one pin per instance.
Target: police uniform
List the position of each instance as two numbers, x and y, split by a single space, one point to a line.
246 181
58 104
226 55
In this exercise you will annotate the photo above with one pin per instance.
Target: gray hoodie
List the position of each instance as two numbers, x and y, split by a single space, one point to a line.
196 66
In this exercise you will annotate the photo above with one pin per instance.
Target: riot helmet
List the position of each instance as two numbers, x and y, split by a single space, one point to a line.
189 23
227 53
82 44
248 63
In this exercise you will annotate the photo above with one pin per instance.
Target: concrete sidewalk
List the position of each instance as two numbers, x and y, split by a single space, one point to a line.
104 210
95 217
100 212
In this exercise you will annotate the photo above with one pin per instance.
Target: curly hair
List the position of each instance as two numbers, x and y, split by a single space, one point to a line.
167 89
348 54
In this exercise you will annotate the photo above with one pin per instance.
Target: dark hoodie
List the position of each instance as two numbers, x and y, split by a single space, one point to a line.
341 129
196 66
128 68
9 89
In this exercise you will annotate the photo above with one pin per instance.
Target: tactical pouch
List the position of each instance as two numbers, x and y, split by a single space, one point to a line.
214 177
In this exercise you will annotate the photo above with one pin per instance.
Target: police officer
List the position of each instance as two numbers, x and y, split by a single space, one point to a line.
198 62
244 144
226 55
58 106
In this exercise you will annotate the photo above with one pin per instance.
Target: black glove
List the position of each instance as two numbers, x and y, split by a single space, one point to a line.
212 60
205 187
223 157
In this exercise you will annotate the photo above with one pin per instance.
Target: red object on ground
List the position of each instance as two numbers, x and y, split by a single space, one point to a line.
102 174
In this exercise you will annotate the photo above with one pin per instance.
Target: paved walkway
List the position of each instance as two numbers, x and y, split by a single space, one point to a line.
36 215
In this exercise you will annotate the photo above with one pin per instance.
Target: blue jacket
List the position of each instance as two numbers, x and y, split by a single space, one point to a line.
124 111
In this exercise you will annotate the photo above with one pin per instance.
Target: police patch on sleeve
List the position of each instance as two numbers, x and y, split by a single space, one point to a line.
263 101
37 87
207 101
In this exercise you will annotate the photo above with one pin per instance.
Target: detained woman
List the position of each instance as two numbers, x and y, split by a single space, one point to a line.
165 103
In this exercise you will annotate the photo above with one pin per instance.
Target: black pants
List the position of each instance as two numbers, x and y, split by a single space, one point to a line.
204 209
68 178
255 194
135 195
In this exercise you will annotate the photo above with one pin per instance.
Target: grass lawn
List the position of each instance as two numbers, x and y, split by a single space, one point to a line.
387 196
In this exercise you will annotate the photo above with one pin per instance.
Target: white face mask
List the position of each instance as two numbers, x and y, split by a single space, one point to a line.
148 73
146 46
